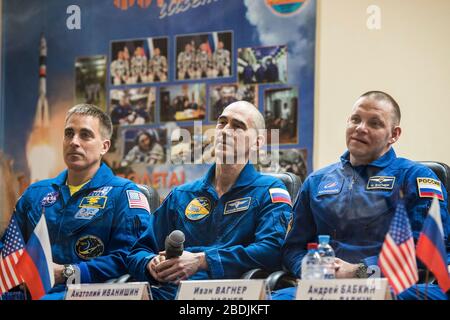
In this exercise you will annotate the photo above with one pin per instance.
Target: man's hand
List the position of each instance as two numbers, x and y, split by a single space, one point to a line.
57 271
176 269
151 267
345 269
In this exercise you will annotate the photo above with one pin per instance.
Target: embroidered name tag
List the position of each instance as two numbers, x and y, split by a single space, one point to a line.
237 205
86 213
380 183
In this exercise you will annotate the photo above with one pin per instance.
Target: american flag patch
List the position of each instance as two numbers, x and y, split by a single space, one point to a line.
280 195
137 200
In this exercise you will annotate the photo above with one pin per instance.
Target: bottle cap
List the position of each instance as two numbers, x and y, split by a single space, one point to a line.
324 239
312 246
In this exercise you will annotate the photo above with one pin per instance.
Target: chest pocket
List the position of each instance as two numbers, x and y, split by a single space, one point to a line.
88 215
194 217
240 222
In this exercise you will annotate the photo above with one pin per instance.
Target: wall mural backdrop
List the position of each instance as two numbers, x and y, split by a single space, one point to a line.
156 67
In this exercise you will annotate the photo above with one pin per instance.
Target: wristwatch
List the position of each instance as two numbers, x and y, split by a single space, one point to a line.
68 271
361 272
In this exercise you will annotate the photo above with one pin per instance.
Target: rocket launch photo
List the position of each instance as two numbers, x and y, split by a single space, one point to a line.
40 153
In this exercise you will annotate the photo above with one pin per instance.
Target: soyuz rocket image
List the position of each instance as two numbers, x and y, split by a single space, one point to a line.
42 119
40 154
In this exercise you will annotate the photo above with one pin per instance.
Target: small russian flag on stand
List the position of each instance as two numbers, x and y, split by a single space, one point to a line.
431 248
280 195
35 265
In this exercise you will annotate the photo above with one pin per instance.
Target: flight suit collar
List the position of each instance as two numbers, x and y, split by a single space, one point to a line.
102 176
381 162
246 177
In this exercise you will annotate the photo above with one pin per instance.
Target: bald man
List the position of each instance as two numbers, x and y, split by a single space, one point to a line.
234 219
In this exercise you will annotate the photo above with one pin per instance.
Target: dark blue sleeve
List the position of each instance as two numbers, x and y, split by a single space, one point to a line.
418 207
264 252
151 242
303 230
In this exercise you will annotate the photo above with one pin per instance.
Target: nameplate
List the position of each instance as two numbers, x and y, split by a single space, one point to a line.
221 290
343 289
109 291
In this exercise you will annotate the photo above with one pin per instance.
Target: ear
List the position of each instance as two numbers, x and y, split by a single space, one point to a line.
396 132
106 145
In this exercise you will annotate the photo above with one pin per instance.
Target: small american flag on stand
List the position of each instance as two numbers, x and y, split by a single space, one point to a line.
397 257
137 200
13 246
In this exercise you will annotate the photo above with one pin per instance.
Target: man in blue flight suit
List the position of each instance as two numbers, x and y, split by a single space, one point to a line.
271 73
355 199
234 219
93 217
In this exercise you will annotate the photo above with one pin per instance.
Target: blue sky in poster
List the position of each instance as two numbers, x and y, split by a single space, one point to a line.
252 23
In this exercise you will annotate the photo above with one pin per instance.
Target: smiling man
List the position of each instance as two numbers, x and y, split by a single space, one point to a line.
93 217
354 200
234 219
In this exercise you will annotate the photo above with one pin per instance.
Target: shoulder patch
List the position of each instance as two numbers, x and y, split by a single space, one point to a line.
137 200
429 188
280 195
49 199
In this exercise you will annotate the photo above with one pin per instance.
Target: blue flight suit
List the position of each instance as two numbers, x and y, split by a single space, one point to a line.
93 229
271 73
248 74
355 206
120 112
242 230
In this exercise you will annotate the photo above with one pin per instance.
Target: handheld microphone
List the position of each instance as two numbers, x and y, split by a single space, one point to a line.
174 244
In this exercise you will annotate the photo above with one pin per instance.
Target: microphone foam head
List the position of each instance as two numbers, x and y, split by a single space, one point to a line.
176 237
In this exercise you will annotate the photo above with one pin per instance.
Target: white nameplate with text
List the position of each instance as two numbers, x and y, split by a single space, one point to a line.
109 291
343 289
221 290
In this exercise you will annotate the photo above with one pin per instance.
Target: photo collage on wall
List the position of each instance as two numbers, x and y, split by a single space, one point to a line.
152 97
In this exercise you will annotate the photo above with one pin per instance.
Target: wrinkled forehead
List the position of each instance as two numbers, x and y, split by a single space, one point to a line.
373 107
80 121
238 112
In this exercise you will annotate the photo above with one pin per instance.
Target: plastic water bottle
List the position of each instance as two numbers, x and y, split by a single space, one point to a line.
326 253
311 268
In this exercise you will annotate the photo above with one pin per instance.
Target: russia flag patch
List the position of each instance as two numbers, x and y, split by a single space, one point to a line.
429 188
280 195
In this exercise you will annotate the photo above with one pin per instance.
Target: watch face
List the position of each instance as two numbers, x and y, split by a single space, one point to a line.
68 271
362 271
